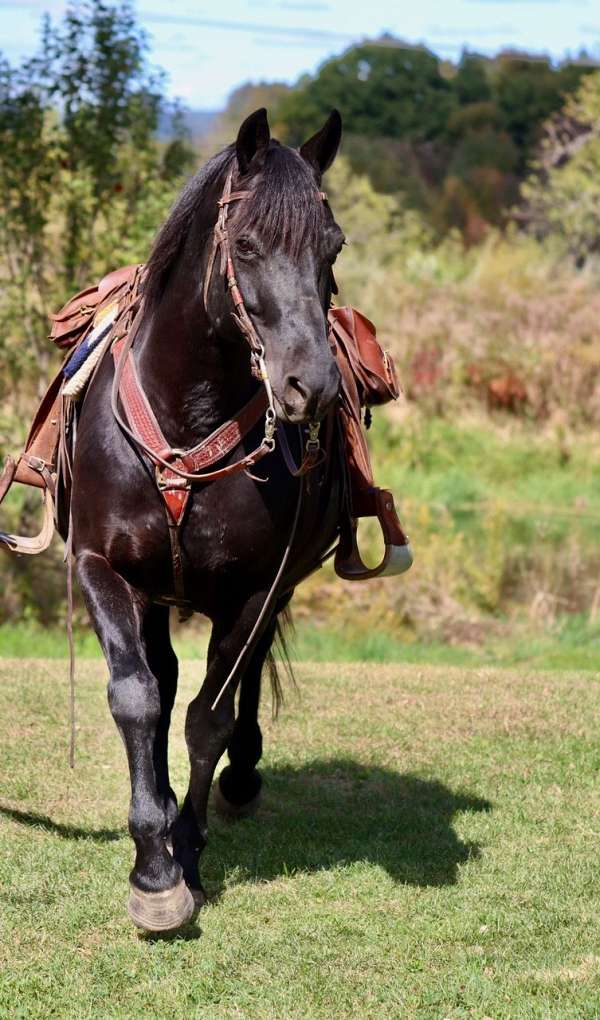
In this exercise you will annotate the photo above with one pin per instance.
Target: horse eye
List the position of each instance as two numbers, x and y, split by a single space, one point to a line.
244 246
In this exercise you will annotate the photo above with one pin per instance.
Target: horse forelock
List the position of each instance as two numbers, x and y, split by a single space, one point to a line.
283 208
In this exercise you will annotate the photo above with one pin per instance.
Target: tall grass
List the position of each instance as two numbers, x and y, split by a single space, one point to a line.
506 324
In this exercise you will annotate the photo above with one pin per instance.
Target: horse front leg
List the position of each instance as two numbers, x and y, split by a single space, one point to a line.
208 732
159 899
163 663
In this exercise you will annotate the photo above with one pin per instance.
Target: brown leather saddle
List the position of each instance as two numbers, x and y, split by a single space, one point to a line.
37 465
368 378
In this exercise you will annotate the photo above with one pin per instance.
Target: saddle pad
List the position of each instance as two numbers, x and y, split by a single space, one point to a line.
80 366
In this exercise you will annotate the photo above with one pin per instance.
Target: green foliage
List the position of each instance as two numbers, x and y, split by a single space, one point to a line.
563 195
527 92
453 141
395 92
471 83
83 189
82 182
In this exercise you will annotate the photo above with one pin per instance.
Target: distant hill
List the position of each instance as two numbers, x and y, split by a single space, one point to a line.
198 122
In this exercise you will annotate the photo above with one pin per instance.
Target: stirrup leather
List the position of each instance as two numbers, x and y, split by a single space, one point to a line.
29 545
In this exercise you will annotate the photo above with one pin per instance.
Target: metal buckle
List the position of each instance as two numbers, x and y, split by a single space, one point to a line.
270 425
176 482
312 443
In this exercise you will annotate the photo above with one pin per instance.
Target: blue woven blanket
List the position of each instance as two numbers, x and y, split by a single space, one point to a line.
86 347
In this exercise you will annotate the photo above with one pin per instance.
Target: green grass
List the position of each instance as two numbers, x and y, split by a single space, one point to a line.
571 643
546 486
427 848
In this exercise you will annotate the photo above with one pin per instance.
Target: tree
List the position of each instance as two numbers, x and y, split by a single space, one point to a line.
471 83
83 187
393 91
83 183
563 194
528 90
240 103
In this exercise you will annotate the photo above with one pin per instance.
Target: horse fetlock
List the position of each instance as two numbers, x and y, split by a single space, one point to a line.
155 870
245 747
237 809
239 785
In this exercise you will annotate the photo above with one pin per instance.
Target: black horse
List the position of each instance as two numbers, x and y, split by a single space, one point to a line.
195 367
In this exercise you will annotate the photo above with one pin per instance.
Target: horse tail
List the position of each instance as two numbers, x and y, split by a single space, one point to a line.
278 658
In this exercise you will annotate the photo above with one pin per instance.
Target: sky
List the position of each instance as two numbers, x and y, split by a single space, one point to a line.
207 49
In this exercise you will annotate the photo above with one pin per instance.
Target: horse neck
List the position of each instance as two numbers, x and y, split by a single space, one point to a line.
195 379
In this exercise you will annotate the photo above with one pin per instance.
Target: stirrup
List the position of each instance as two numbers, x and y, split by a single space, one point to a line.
397 557
29 545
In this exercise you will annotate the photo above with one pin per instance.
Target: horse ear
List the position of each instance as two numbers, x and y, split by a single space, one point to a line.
252 140
321 150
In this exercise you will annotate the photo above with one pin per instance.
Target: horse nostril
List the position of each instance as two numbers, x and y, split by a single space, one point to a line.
295 384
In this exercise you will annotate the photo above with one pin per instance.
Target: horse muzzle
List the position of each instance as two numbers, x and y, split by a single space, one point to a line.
301 399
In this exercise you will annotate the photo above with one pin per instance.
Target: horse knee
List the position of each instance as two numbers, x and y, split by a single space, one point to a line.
134 702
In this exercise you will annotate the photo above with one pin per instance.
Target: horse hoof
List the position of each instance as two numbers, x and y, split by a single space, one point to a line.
161 911
234 812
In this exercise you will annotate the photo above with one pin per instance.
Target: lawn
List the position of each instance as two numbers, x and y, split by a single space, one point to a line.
427 847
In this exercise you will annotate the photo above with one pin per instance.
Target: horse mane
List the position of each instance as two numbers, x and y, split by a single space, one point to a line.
283 208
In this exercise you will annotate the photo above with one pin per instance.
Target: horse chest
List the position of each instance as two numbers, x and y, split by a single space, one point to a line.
251 529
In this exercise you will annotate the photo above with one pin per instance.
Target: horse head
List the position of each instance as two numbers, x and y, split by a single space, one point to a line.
282 239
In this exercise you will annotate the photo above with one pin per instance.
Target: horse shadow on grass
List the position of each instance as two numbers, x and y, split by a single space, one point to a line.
331 813
71 832
324 814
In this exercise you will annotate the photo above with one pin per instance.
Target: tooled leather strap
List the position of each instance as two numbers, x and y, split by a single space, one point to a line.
177 469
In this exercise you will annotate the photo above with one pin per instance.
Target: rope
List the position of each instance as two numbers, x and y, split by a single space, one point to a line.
267 605
72 721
